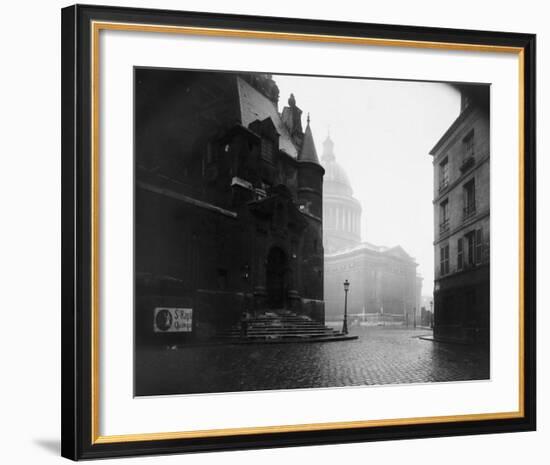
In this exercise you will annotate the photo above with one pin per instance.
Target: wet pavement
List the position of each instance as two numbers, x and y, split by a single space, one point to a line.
381 355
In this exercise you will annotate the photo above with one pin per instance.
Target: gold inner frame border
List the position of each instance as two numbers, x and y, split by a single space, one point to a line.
96 27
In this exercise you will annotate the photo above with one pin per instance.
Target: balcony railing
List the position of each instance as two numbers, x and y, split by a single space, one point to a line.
443 184
469 211
444 226
467 164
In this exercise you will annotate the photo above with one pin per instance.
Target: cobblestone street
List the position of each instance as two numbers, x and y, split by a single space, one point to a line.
381 355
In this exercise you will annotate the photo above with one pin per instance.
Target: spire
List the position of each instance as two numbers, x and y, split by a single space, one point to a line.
308 152
328 149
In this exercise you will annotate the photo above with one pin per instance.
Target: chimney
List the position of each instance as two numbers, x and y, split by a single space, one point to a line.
264 84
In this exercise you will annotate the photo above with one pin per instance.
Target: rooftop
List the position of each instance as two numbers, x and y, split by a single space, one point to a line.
255 106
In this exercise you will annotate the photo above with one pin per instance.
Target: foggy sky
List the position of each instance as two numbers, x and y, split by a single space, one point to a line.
382 133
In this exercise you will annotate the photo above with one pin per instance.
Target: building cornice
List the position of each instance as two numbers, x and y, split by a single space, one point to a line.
312 216
465 270
310 164
474 219
186 199
363 250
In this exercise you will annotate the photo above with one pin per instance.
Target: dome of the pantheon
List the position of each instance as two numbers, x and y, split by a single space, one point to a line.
341 211
335 181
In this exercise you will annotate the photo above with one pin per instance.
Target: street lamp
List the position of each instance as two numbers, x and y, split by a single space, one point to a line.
345 325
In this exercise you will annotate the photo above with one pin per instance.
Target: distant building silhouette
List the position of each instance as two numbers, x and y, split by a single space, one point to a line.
384 282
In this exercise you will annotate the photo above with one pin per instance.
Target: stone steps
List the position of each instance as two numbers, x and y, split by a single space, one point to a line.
280 330
270 334
285 325
281 325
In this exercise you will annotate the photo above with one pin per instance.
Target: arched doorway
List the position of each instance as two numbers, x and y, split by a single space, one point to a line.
276 277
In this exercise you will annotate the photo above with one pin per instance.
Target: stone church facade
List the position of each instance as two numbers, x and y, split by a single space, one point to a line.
228 202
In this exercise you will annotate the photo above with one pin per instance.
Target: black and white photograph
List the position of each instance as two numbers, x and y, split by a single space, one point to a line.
308 231
275 232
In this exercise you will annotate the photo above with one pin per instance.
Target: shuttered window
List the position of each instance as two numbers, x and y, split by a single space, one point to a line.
444 260
460 253
478 246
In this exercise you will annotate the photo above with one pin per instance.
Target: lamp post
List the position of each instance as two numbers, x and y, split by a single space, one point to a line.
345 325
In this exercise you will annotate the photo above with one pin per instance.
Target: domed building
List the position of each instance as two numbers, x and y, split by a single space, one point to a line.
341 211
384 286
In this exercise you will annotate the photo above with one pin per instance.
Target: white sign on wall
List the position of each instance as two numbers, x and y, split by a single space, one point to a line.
173 320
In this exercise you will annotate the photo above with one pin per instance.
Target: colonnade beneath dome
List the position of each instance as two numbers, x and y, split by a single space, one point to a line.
341 218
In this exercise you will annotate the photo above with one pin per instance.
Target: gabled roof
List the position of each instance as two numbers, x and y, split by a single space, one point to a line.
398 252
255 106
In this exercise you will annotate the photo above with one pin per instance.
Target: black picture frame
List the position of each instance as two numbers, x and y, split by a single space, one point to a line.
79 441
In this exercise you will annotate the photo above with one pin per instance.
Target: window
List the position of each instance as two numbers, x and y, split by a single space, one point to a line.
468 144
267 149
474 247
468 150
460 253
444 174
444 260
469 196
478 246
279 216
209 153
470 243
222 278
465 100
444 216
